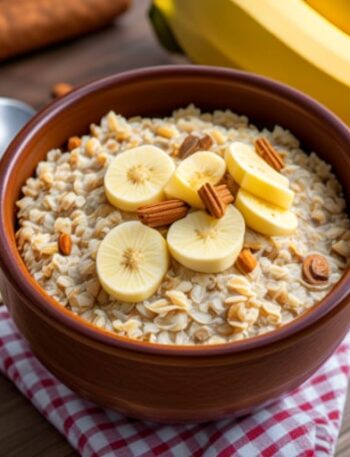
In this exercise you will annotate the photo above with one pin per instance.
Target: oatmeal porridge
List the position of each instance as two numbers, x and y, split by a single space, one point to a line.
192 229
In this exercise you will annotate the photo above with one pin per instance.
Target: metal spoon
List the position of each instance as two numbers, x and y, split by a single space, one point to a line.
14 114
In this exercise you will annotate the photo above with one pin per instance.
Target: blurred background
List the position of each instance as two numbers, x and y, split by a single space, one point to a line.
122 43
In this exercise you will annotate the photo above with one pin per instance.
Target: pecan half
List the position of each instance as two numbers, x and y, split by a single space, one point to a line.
246 262
193 143
267 152
231 184
224 193
73 142
162 213
212 201
64 243
316 269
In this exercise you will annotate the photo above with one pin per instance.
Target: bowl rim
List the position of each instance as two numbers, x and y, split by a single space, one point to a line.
15 269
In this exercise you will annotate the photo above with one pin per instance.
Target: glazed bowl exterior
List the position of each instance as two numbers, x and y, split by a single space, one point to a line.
169 383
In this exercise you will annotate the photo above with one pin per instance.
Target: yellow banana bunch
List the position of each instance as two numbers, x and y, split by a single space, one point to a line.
337 11
286 40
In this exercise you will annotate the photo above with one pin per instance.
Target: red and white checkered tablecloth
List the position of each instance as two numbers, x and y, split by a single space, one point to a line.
304 424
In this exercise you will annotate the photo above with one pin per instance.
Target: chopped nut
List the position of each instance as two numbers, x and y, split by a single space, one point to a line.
162 213
266 151
211 200
73 142
316 269
64 243
193 143
224 193
246 262
206 142
60 89
189 145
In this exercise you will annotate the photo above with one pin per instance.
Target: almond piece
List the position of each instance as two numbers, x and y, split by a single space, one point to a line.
64 243
246 262
316 269
206 142
189 145
193 143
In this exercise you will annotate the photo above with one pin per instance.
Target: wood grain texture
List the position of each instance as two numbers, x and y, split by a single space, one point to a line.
128 44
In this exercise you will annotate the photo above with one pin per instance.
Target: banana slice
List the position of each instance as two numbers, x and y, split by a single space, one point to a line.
253 174
192 173
265 218
137 177
131 261
205 244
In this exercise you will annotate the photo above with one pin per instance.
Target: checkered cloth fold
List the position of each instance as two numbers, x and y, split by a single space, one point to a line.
304 424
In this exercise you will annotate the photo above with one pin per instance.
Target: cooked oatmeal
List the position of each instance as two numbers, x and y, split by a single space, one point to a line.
67 197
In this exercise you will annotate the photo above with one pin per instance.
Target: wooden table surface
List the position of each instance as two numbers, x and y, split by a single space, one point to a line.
129 43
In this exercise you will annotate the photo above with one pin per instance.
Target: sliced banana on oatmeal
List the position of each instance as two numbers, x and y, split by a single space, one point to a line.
265 218
192 173
253 174
131 261
137 177
205 244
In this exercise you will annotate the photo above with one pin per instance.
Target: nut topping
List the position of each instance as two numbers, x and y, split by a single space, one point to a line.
73 142
231 184
64 243
162 213
212 200
60 89
224 193
193 143
246 262
316 269
267 152
206 142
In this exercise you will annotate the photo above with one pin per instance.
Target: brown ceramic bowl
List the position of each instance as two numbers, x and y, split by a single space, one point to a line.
169 383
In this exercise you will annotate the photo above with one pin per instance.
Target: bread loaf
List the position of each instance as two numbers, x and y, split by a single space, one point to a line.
30 24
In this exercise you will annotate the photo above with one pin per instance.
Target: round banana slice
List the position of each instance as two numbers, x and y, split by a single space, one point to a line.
192 173
205 244
265 218
137 177
253 174
131 261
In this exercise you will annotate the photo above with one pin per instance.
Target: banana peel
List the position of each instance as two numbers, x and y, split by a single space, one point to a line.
288 41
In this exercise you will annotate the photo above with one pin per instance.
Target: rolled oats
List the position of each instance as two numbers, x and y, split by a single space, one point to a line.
66 196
